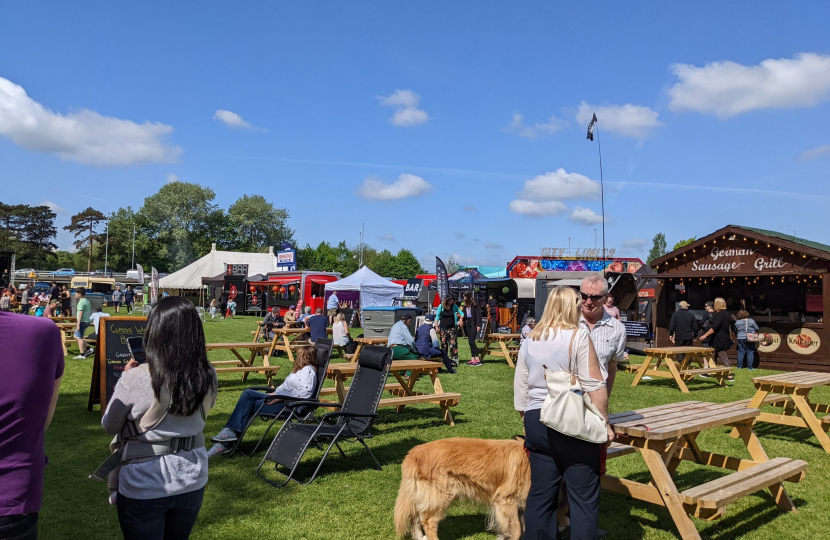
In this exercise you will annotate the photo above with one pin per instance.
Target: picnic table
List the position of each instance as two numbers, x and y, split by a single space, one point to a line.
67 334
679 371
285 340
509 350
791 391
665 435
64 319
403 390
241 364
362 341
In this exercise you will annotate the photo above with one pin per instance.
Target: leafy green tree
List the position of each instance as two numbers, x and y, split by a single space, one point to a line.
259 224
658 247
683 243
406 265
383 264
83 225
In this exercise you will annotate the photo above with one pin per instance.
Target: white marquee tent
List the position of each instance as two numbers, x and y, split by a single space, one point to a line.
374 290
212 264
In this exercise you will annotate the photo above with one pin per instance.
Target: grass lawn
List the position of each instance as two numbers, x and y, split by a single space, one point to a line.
352 501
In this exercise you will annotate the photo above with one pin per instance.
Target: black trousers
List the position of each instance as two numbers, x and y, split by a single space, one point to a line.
683 343
555 457
19 527
471 337
167 518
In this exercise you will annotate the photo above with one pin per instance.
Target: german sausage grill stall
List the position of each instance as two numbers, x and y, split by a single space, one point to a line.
782 281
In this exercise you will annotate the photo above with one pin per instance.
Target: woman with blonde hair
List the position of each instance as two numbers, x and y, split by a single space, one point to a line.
721 335
340 331
555 344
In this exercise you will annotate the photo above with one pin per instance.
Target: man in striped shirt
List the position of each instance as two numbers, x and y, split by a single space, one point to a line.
607 333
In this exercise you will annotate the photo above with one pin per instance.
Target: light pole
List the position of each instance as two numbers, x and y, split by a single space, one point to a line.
107 249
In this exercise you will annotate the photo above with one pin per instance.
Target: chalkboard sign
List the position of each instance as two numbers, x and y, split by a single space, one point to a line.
637 329
111 355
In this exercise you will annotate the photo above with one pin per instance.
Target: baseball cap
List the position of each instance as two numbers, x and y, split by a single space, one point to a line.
684 304
429 317
290 307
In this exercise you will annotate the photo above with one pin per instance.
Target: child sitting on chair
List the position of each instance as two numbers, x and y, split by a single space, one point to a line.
299 384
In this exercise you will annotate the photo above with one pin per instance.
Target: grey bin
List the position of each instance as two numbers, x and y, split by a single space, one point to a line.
377 321
96 300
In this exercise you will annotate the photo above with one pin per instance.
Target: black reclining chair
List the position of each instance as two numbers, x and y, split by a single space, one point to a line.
301 414
352 422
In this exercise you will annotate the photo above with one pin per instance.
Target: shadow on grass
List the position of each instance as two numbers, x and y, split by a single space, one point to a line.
787 433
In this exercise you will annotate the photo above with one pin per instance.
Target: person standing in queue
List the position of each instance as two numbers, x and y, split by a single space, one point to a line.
447 317
557 342
160 497
493 307
472 325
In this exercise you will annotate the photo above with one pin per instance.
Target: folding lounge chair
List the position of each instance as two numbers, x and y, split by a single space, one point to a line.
304 413
352 422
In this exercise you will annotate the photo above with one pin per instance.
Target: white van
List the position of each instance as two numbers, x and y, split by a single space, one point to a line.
132 274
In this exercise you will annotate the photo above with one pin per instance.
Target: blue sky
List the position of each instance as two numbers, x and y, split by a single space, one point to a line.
448 128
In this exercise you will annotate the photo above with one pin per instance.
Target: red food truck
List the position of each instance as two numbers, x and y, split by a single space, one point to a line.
280 290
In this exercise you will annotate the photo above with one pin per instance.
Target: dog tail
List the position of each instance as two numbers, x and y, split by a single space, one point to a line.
405 510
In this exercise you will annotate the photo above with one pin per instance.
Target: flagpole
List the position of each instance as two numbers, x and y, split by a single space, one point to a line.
602 195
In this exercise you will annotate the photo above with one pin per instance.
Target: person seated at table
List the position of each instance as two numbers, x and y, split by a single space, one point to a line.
51 310
317 325
270 322
299 384
340 331
530 324
426 342
306 314
95 319
290 316
401 341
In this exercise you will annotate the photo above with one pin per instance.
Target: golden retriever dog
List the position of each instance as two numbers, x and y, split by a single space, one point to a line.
493 472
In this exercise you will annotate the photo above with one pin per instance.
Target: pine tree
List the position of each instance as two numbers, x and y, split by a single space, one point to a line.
83 226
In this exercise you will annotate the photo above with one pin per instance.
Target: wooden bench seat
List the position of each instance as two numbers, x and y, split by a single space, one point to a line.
631 368
446 399
269 371
826 419
705 371
775 400
715 495
618 450
391 387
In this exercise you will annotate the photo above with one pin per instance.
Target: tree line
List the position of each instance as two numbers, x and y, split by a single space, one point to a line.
173 228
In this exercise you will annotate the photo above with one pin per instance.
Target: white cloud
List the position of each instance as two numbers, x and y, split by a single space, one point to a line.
82 136
407 185
561 185
627 120
727 89
172 178
538 208
817 152
234 121
491 245
387 237
635 246
405 103
586 216
54 207
535 131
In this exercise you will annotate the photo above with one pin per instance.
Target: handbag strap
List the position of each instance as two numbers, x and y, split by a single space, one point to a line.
571 359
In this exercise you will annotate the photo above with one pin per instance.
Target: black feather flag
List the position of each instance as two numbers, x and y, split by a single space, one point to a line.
591 127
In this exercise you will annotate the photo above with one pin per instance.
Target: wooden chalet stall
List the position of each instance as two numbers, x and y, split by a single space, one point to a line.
782 281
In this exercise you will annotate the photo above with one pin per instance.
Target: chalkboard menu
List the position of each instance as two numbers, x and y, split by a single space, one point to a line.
111 355
637 329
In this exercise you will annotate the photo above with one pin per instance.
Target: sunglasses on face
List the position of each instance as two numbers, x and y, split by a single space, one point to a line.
593 297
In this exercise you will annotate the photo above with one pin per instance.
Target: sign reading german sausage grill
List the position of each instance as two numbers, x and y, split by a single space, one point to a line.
736 259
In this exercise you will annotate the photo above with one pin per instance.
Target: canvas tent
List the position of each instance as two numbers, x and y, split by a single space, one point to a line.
374 290
190 277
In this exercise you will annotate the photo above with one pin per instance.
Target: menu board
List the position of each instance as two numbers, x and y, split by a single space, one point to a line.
111 355
637 329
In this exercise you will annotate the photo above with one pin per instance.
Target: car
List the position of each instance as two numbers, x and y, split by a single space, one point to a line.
63 272
42 287
25 272
107 273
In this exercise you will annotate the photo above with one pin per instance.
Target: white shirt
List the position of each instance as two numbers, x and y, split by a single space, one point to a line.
298 385
608 337
529 386
96 317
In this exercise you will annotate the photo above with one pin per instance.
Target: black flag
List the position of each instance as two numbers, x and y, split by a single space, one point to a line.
591 127
443 284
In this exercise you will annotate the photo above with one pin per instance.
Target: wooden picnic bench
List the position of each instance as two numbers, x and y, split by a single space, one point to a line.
665 435
241 364
63 319
363 341
67 334
680 371
798 410
509 350
403 390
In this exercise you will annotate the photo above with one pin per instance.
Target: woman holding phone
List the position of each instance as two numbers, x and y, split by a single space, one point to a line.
160 497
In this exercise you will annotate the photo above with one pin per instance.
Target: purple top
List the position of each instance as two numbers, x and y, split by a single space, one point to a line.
32 355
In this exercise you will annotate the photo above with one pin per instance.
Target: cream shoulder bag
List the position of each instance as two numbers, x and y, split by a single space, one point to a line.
567 408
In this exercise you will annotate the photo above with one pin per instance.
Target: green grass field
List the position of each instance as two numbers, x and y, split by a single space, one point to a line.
351 501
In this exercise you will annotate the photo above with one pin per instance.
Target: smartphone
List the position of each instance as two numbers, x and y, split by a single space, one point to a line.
136 346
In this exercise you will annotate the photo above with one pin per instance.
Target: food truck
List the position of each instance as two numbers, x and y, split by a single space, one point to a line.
782 281
280 290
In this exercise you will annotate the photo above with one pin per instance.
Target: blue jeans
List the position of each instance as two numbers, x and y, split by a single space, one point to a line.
247 406
167 518
746 349
19 527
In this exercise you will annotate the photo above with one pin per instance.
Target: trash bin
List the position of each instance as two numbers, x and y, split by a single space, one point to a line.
377 321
